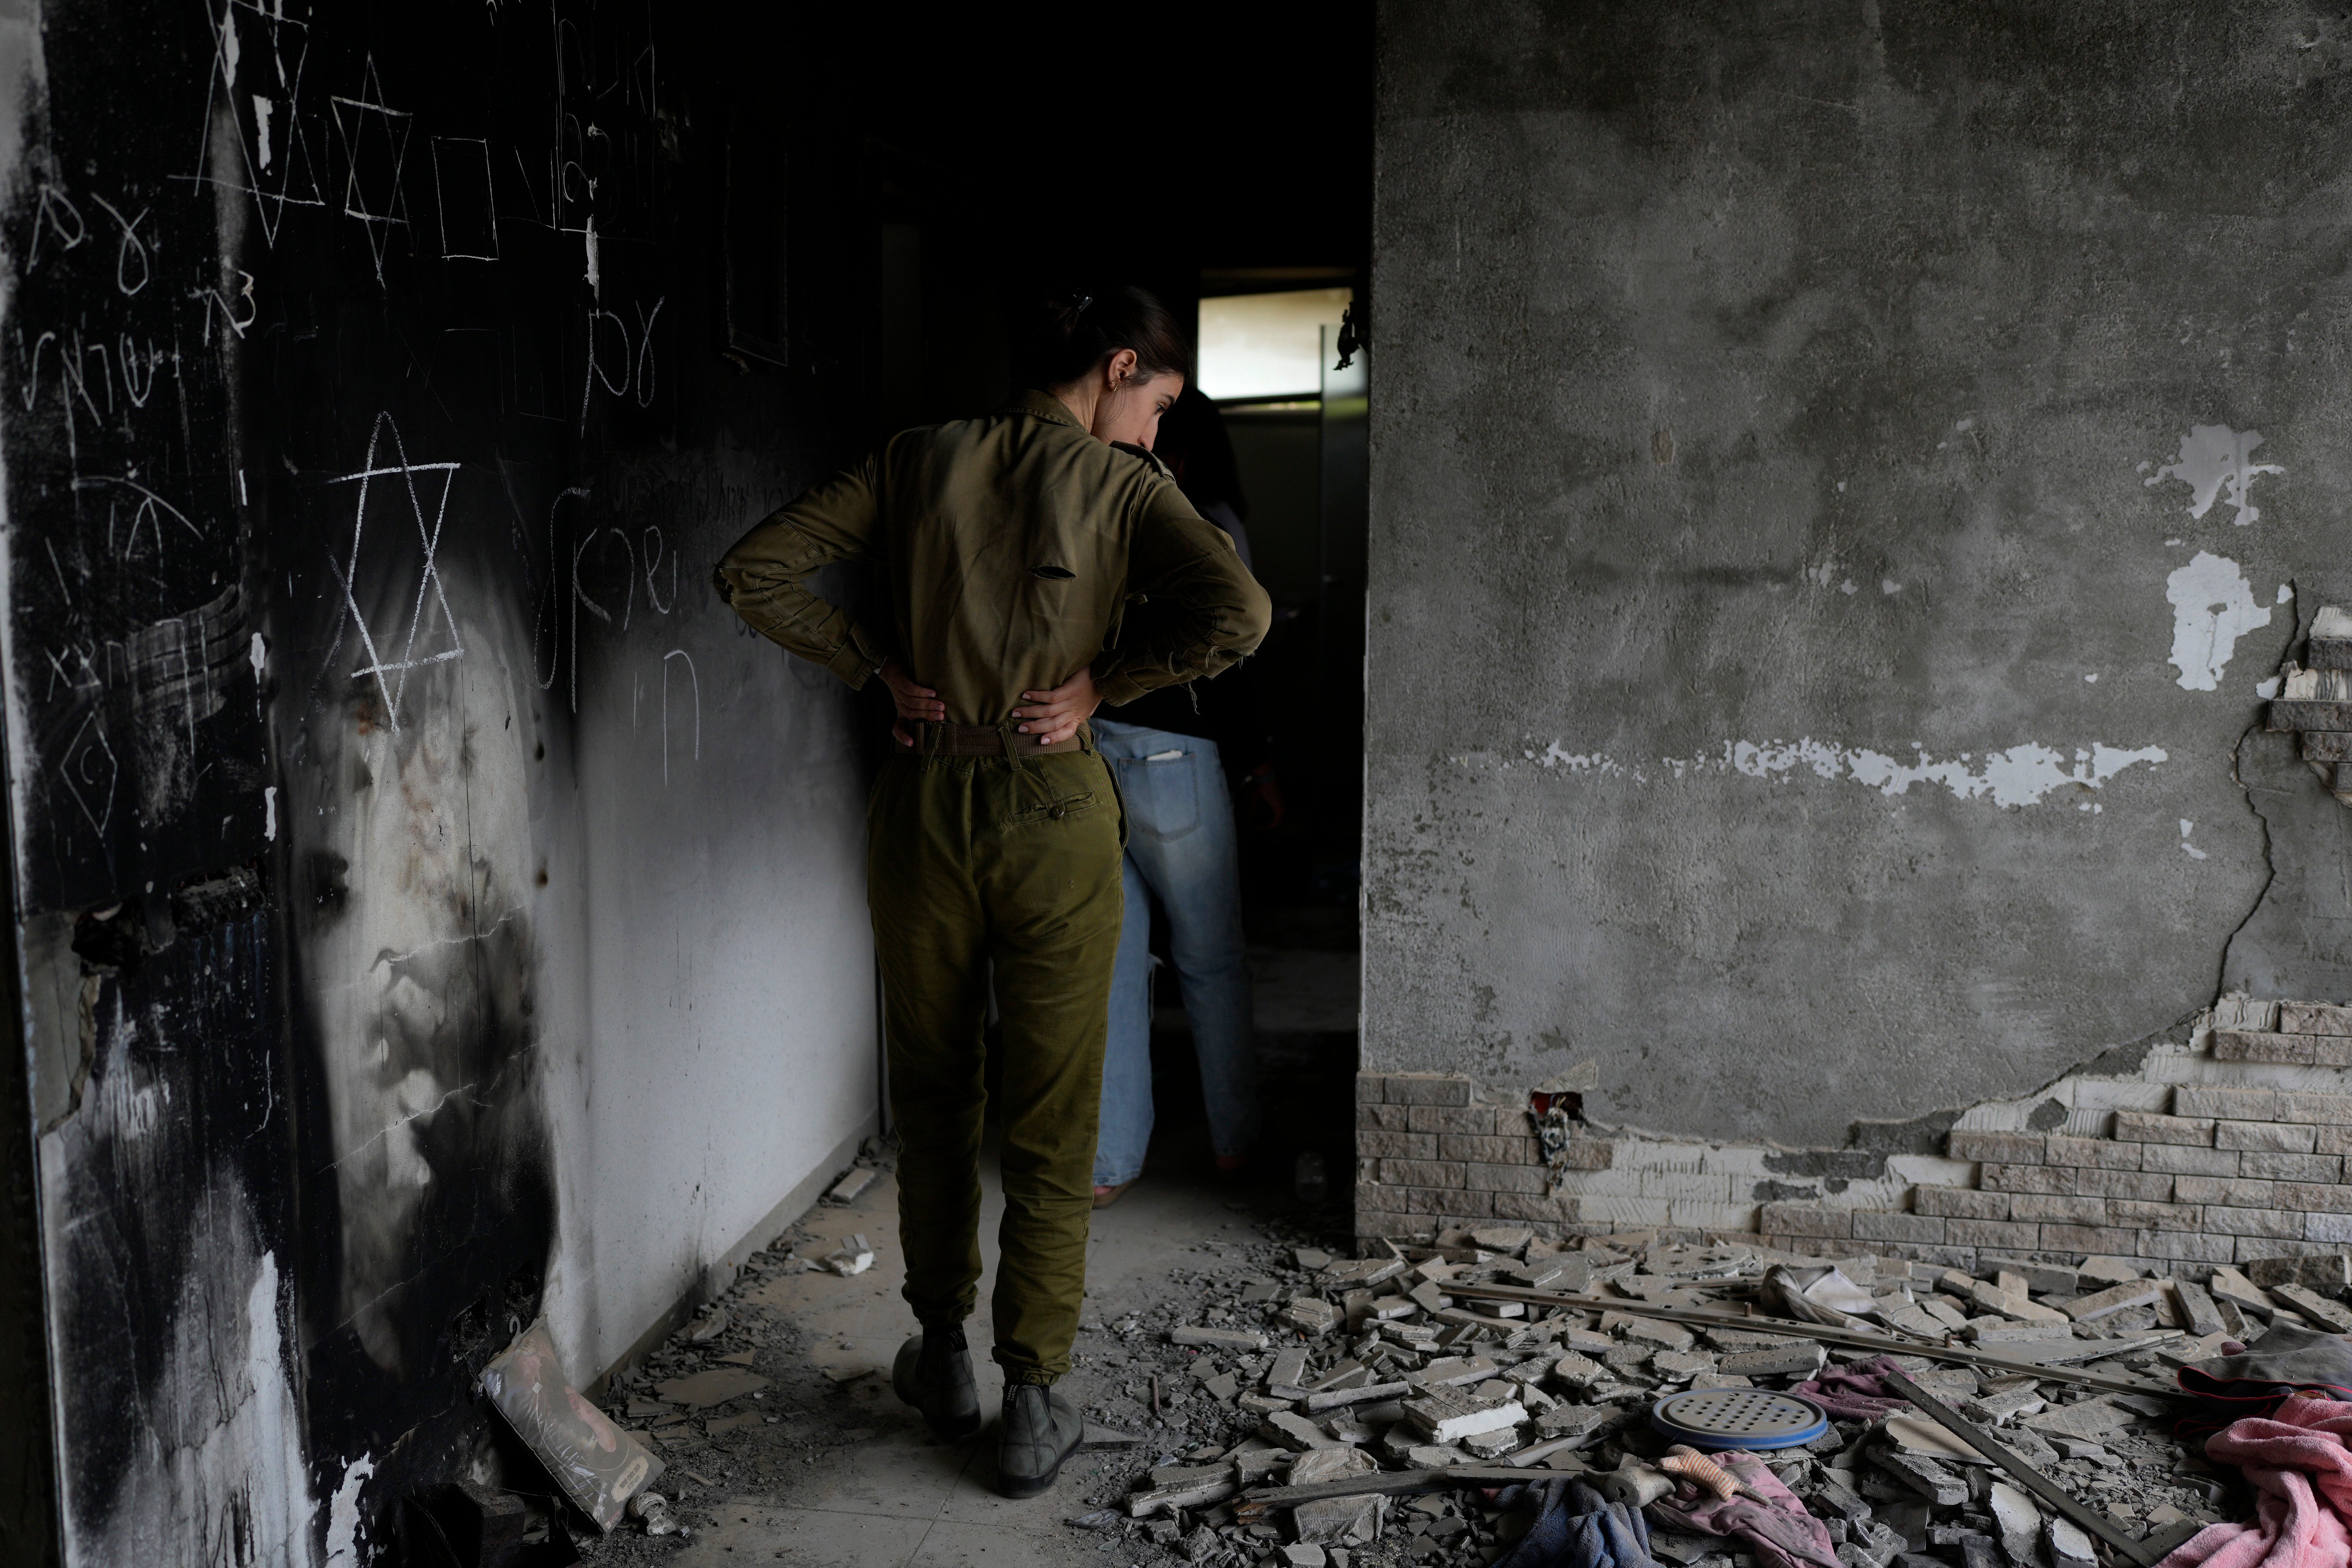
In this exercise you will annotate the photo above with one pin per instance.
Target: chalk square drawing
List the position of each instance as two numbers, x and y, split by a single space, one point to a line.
375 149
463 191
426 641
256 85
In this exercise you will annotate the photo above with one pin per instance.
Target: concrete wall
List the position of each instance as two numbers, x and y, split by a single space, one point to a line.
1840 475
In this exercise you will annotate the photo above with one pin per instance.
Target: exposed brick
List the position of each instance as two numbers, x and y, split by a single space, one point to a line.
2144 1127
2187 1161
1442 1119
2094 1153
1959 1202
2064 1210
2254 1222
1913 1229
1382 1117
2238 1104
1525 1206
2329 1228
2314 1018
1489 1151
1801 1219
1426 1088
2309 1105
2333 1140
2186 1247
2257 1046
2146 1187
2282 1137
2255 1248
2331 1050
2329 1168
2026 1178
1397 1226
2085 1238
1371 1089
2229 1190
1396 1146
1453 1201
1373 1198
2022 1237
2156 1217
1445 1175
2314 1197
2009 1148
1589 1154
1506 1178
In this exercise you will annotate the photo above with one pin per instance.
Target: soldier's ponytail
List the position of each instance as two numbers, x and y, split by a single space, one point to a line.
1070 334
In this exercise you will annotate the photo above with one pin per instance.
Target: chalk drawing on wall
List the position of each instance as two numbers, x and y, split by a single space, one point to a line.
418 645
375 148
2216 463
466 198
262 99
2212 606
696 688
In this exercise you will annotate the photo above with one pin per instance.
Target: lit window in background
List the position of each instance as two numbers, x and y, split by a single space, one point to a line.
1267 345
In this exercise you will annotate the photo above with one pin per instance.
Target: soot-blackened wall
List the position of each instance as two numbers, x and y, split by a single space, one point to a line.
433 909
1840 475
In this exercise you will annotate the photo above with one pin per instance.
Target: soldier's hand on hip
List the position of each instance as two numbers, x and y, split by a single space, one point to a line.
918 702
1054 716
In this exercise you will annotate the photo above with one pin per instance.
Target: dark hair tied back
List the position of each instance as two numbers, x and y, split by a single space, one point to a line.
1068 335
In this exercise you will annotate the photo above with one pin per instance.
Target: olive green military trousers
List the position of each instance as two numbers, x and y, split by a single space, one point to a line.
1009 865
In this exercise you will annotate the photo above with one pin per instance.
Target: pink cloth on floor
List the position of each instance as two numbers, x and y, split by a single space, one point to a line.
1853 1393
2296 1459
1781 1533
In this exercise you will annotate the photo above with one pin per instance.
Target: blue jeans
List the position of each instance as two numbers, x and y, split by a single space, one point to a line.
1180 849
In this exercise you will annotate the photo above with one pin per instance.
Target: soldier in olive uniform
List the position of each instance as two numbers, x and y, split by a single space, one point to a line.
1036 562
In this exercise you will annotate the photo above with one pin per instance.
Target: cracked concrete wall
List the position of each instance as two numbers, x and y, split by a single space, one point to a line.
1839 478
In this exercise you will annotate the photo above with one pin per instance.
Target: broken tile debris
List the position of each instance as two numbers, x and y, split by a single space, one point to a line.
1412 1385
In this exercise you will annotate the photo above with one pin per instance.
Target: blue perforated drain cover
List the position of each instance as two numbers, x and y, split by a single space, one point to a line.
1738 1418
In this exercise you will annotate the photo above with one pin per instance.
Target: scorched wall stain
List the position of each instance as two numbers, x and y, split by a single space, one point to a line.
335 585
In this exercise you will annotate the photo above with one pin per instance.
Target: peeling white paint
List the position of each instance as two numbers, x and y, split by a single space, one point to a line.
2188 827
270 812
2266 690
2216 464
2286 593
344 1515
218 1438
2212 606
2022 775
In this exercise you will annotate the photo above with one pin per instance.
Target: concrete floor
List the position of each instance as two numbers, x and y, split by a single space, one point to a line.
844 1474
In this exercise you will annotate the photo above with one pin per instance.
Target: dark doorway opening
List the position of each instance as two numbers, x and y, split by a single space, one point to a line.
938 177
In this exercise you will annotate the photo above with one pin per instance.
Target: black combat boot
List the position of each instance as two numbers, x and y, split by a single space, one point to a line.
933 1373
1039 1430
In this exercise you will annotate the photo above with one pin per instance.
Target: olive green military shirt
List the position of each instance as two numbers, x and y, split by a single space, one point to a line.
1016 550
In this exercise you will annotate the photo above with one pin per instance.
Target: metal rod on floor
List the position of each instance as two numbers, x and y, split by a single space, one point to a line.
1852 1338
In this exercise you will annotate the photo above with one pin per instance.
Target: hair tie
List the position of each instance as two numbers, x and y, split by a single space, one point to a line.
1084 301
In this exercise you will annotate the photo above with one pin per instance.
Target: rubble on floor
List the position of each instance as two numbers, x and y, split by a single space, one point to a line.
1413 1405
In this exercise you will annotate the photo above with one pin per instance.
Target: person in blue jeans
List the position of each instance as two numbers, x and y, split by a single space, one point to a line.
1183 851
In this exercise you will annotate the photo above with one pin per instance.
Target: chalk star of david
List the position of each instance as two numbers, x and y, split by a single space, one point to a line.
369 126
428 534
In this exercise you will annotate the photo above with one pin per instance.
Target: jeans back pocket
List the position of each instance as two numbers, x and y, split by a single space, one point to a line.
1163 791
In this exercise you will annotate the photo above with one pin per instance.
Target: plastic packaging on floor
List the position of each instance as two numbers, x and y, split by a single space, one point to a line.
599 1467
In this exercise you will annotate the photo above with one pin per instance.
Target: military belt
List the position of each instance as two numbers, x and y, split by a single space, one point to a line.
984 741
